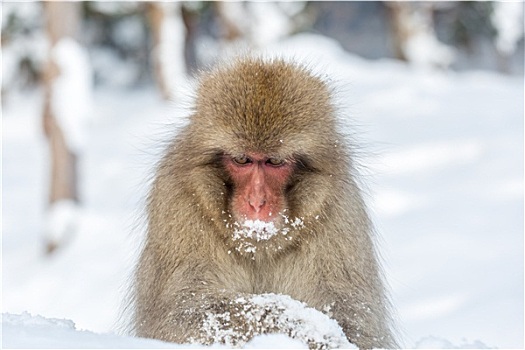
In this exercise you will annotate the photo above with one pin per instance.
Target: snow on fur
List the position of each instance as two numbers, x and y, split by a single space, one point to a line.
267 312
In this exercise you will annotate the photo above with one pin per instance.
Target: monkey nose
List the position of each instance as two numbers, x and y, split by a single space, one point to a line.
256 203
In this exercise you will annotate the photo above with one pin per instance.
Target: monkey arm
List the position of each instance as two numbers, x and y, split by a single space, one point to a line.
199 311
352 297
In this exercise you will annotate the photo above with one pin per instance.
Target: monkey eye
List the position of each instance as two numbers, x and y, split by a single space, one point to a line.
275 161
242 160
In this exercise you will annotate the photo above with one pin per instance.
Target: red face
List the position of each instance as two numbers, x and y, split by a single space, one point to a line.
259 183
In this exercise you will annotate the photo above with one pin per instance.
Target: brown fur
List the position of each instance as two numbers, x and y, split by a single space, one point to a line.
190 266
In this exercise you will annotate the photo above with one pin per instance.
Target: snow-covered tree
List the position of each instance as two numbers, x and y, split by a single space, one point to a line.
257 24
507 19
414 36
23 45
67 84
169 37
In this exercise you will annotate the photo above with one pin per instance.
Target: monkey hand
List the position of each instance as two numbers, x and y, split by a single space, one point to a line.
248 316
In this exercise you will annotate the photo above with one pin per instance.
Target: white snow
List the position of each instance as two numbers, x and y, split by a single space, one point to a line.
419 42
444 165
274 341
507 18
249 232
262 23
253 230
26 331
432 342
305 322
34 331
271 311
71 95
171 48
61 221
423 49
32 45
269 22
256 229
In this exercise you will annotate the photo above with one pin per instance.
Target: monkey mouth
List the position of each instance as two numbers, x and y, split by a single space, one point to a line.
252 234
260 230
270 236
257 230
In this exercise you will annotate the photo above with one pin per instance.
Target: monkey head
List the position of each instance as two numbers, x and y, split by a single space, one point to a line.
267 131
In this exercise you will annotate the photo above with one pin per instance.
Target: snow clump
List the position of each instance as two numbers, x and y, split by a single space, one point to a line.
269 314
250 232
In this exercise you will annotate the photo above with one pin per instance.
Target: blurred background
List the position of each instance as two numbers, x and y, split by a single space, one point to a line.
126 41
433 89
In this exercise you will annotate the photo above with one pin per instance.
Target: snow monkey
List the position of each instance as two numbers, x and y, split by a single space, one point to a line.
257 195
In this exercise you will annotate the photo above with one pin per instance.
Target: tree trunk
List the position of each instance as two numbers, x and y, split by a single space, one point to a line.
226 12
169 41
62 20
399 13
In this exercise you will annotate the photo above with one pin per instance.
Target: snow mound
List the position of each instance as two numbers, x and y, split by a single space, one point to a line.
25 331
269 314
305 323
26 319
432 342
274 341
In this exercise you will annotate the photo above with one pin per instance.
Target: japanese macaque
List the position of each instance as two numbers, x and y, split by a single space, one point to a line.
257 196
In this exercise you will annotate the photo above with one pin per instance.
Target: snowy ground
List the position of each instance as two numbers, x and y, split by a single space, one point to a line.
444 165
